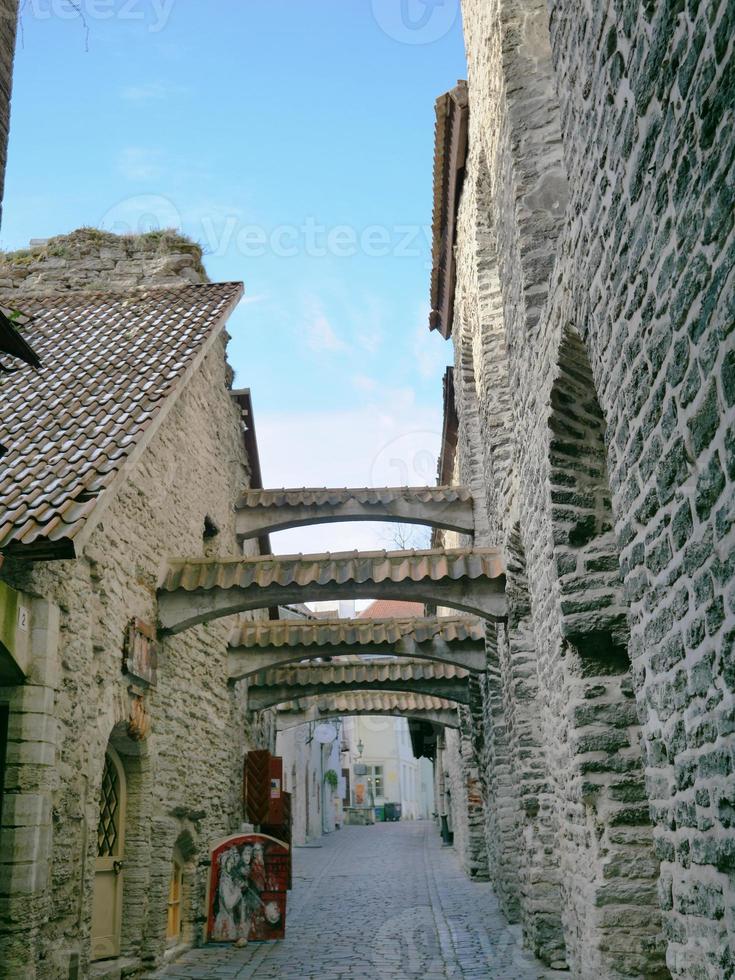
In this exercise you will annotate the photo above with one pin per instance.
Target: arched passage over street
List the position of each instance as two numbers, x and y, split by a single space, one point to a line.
263 511
196 591
456 640
323 707
272 687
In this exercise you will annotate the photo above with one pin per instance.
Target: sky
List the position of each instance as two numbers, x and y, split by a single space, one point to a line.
294 140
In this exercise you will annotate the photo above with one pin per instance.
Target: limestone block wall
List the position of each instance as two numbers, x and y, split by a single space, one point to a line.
184 779
600 146
647 95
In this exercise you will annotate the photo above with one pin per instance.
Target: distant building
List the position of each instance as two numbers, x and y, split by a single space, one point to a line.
382 744
316 804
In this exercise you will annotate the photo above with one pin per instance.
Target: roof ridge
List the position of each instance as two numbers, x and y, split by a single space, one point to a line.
140 289
335 556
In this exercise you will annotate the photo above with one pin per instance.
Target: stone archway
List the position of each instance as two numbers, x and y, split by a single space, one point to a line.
466 579
605 827
132 766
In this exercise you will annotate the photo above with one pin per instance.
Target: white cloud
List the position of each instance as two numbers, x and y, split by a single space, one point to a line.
362 383
151 92
140 163
358 447
431 352
320 334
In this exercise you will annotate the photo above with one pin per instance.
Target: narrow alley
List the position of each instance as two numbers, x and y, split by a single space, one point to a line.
386 901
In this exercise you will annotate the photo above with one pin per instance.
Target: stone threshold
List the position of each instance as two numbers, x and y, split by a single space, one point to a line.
118 969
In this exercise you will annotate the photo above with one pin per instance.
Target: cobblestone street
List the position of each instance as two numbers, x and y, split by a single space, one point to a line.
378 902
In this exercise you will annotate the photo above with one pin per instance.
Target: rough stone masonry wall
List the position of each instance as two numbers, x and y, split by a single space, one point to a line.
647 273
90 259
593 832
183 780
8 27
625 294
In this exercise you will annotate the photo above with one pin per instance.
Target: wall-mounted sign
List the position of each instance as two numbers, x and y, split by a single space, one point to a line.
141 652
247 889
24 617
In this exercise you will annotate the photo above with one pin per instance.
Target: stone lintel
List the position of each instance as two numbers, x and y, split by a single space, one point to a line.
454 515
180 609
246 661
450 689
291 719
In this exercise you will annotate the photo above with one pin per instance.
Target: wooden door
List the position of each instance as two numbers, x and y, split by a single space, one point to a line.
108 878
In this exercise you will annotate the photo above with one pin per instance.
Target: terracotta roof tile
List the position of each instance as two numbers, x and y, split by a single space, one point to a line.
316 496
385 608
324 569
355 632
373 702
353 670
110 361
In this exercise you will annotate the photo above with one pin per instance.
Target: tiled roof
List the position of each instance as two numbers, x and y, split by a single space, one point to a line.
14 343
326 569
355 632
372 701
317 496
356 671
110 363
450 148
386 608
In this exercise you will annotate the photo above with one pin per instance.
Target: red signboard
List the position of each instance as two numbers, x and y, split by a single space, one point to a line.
247 889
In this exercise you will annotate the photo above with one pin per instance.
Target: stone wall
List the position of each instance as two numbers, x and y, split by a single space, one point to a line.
595 288
184 779
647 103
91 259
8 27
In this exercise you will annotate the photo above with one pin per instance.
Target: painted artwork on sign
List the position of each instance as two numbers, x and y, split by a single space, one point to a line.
247 889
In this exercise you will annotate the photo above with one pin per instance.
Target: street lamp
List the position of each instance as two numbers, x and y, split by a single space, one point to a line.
360 748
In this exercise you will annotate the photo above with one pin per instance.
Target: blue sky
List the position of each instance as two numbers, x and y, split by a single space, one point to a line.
294 140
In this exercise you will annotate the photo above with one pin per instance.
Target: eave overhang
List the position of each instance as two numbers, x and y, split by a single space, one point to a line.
450 155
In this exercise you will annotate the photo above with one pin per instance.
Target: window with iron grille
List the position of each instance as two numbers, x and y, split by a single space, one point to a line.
108 829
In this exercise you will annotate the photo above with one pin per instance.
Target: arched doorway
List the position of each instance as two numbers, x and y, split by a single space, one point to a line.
109 864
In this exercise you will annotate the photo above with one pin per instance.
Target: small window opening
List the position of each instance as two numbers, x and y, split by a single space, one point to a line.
210 529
